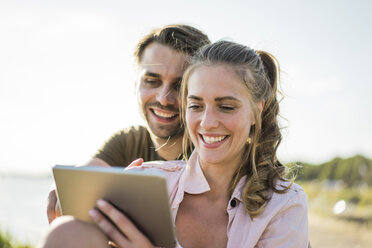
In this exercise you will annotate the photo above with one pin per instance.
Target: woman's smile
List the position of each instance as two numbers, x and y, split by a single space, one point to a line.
215 140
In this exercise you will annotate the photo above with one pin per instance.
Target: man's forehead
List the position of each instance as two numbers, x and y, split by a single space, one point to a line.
153 72
161 59
156 50
162 70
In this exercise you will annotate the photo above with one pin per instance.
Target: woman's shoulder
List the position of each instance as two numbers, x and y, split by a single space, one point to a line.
292 186
294 194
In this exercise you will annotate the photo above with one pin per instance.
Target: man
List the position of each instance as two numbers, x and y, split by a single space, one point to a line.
161 58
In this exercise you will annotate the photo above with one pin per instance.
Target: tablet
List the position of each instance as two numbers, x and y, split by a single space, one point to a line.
142 196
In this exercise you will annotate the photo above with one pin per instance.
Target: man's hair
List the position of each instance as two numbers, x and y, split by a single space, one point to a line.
182 38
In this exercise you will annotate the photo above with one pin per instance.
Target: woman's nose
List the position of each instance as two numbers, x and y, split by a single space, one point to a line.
209 119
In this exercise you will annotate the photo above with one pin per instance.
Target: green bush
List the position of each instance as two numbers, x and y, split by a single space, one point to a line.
352 172
6 242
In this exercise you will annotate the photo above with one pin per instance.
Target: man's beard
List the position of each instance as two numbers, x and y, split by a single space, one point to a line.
166 133
163 131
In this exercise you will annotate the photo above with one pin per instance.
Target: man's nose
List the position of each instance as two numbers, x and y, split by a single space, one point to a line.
167 96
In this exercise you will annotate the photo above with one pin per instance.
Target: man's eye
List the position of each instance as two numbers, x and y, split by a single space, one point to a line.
177 86
151 81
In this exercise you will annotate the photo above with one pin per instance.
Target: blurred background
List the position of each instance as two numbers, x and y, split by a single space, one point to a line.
67 84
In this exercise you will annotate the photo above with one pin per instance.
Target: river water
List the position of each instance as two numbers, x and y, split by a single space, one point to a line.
23 207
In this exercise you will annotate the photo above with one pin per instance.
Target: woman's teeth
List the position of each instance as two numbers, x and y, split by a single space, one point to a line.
211 140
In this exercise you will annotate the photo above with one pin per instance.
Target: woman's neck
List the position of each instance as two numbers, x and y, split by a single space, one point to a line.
219 177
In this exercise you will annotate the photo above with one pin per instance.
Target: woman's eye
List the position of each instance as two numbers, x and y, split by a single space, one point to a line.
227 108
194 106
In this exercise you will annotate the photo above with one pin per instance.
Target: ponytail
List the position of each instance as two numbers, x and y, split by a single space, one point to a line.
271 67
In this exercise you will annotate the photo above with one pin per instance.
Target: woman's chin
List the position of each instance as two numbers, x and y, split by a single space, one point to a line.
210 160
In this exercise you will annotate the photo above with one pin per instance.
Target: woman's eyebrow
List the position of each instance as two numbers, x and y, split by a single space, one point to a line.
224 98
217 99
195 97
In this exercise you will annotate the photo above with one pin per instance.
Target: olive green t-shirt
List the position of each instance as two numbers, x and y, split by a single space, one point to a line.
127 145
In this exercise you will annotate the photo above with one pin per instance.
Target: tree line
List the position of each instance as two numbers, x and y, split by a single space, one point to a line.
352 172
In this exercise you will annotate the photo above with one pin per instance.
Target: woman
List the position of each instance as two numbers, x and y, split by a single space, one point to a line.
232 191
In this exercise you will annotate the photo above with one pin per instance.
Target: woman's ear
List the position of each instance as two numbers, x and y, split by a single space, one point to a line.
260 105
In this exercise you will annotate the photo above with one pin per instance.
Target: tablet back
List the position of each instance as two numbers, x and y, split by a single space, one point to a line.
142 196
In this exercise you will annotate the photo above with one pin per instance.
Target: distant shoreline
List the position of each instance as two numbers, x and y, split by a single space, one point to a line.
25 174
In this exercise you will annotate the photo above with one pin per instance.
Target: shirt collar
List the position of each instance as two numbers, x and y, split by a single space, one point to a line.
196 183
194 179
237 194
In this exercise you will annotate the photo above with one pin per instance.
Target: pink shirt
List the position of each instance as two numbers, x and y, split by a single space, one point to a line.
283 223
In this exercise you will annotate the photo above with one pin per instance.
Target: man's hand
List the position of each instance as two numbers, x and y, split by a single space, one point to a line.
137 162
53 210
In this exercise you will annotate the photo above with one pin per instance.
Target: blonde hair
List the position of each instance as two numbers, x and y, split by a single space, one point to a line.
259 71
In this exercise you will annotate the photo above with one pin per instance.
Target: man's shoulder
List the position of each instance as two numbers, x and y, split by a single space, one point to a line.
135 130
131 131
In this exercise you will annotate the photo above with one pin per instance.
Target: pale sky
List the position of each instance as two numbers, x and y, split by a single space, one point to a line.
66 74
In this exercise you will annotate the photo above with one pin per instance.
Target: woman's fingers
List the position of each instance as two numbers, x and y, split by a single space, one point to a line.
133 237
108 228
123 223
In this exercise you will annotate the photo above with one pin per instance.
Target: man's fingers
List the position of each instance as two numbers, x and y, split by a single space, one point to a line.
58 210
137 162
52 201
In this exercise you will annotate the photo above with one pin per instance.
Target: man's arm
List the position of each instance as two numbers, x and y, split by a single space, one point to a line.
96 162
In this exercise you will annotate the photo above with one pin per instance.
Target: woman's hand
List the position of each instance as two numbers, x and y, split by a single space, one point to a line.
132 236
